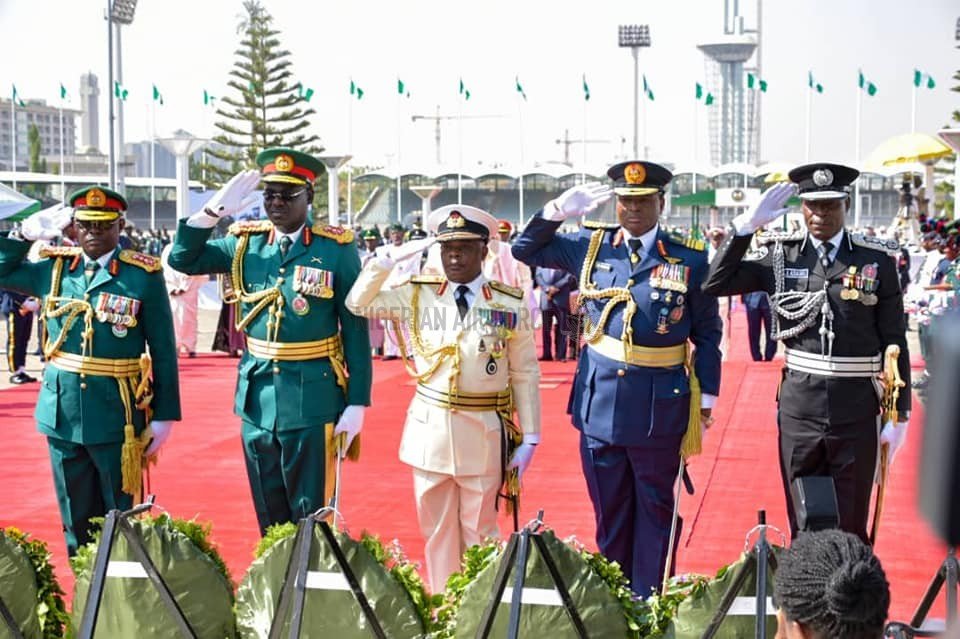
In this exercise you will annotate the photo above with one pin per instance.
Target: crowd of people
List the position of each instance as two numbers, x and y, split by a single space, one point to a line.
307 306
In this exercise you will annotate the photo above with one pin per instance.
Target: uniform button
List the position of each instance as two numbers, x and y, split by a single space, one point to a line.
86 296
276 370
279 280
283 270
629 282
676 391
83 386
621 372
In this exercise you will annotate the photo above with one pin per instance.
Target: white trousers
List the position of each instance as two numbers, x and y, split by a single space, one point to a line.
184 309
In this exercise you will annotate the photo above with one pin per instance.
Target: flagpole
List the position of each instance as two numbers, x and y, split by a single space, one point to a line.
520 171
856 154
350 153
583 145
806 133
153 163
399 209
460 144
13 138
63 190
913 110
646 97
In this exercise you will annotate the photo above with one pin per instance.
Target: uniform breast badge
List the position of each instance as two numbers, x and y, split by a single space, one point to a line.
662 318
869 284
300 305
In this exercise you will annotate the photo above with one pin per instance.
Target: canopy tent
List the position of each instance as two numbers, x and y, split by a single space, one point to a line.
15 206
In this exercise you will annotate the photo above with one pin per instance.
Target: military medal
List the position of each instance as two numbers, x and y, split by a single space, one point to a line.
482 348
662 327
300 305
673 277
676 314
654 295
491 366
119 330
313 281
668 296
679 300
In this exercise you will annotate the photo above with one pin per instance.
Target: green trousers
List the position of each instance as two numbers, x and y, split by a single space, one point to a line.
287 472
89 484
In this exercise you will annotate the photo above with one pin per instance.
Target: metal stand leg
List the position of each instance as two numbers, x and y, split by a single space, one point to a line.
946 574
9 621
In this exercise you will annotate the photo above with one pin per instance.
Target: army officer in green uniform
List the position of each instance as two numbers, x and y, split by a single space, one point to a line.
307 363
103 308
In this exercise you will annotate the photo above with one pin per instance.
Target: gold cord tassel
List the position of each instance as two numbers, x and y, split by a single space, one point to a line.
692 443
131 459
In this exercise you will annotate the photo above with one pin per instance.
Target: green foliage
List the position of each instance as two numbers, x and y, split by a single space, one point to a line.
51 611
405 573
275 533
264 107
475 559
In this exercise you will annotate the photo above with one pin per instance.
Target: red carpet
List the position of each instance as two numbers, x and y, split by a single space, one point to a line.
201 473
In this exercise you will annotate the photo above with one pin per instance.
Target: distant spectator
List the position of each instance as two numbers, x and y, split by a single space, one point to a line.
830 585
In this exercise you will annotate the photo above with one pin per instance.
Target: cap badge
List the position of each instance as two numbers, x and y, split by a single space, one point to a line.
96 198
634 173
283 163
823 177
455 221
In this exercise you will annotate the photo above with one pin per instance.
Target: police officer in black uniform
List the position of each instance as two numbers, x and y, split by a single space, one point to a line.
836 305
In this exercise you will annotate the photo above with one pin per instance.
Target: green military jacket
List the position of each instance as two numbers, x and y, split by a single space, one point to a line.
90 410
288 395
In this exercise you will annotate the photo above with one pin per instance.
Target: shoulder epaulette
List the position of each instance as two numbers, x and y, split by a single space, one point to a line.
688 242
890 247
596 224
770 237
506 289
338 233
149 263
427 279
249 227
60 251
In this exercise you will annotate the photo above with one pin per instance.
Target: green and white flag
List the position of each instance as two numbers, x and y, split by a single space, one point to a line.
586 88
355 90
304 93
866 85
520 88
156 95
921 78
464 91
813 84
402 88
119 91
707 99
63 92
16 97
647 89
207 98
753 80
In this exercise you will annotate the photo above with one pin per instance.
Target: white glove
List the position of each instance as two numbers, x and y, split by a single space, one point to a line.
576 201
770 207
387 256
521 458
31 305
233 197
46 224
161 431
351 423
894 435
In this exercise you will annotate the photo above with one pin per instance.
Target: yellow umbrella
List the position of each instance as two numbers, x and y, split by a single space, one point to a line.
906 149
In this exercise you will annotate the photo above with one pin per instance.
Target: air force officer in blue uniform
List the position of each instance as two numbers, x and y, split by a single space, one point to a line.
640 398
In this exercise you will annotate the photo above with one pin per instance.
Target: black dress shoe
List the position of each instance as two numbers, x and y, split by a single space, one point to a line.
387 358
546 359
22 378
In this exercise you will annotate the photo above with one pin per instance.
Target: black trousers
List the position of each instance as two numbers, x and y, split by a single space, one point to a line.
847 452
759 321
19 328
559 333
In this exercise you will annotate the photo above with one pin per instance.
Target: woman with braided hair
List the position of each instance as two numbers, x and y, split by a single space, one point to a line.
829 584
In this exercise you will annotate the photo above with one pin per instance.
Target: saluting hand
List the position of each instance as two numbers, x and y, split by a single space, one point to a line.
230 199
772 205
577 201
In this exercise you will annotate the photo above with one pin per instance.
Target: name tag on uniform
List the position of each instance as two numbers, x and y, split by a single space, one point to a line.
796 273
603 266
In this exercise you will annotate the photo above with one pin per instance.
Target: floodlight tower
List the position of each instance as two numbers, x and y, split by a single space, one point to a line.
119 12
635 37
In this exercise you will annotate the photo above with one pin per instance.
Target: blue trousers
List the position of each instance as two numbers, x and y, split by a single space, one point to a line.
632 493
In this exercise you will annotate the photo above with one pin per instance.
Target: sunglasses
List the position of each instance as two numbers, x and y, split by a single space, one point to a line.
87 225
286 197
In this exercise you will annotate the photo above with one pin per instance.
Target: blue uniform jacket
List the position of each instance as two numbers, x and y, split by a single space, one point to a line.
641 406
547 277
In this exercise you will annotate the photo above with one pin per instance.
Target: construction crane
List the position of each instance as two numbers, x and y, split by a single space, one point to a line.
567 143
437 118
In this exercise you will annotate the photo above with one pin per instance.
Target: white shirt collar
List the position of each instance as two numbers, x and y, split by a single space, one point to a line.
103 260
834 241
648 239
293 236
474 287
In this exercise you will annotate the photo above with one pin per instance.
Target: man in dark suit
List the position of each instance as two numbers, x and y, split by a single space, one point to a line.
18 310
836 305
757 304
555 287
639 398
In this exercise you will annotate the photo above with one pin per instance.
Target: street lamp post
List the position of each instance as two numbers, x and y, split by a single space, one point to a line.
333 164
119 12
183 146
635 37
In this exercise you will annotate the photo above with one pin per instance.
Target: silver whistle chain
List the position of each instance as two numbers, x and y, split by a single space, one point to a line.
801 306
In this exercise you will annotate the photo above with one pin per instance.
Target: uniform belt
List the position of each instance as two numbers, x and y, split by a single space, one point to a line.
803 362
465 401
639 355
294 351
98 366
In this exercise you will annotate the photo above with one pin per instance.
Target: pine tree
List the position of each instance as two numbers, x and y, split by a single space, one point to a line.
264 107
946 191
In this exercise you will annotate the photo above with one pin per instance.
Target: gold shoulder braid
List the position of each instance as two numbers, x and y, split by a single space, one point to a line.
506 289
438 355
614 296
337 233
271 297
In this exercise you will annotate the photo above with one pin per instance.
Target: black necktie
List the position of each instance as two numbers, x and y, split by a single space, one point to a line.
824 251
461 298
285 243
636 246
90 270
